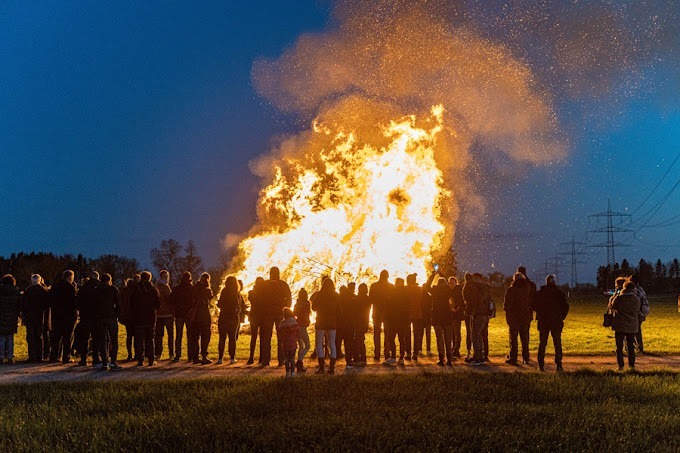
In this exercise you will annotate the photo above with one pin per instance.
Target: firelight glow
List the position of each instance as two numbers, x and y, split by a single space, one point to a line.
353 209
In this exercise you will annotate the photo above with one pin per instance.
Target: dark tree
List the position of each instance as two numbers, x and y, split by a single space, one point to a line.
168 256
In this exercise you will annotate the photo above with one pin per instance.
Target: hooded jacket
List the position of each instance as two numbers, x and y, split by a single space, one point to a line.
288 334
626 309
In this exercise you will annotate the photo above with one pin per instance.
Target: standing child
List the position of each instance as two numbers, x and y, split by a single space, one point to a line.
288 337
302 312
10 306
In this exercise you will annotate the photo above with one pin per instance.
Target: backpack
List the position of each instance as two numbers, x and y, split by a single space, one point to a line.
644 302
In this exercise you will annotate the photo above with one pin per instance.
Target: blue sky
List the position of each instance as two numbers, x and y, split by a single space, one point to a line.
124 124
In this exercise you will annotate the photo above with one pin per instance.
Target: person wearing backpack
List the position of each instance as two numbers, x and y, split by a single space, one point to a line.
644 311
626 310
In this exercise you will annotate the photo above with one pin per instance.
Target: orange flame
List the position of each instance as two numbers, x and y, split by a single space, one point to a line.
351 210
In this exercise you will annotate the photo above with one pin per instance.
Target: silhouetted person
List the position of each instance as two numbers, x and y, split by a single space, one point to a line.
415 316
644 311
302 312
10 307
344 329
182 298
144 301
200 321
34 304
380 294
46 323
275 297
396 316
108 310
126 316
228 323
64 315
287 335
325 304
626 309
477 297
88 299
441 316
551 309
518 315
458 317
165 316
255 317
427 325
362 315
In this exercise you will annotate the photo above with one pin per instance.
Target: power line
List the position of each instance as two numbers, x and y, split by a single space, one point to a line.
611 231
657 185
574 251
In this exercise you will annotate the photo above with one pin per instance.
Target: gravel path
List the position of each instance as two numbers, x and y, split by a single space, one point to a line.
166 369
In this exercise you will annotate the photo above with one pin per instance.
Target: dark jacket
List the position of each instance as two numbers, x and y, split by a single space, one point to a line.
87 301
201 304
380 294
345 308
397 309
275 296
626 308
109 302
10 306
551 307
287 334
326 307
302 311
518 303
457 303
230 307
144 301
477 296
427 307
182 299
34 304
441 310
254 301
415 296
166 309
125 311
362 313
63 302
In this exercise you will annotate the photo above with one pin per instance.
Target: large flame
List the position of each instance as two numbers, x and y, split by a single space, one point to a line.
353 209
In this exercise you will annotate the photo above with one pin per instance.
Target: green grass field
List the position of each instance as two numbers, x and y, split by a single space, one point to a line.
583 332
468 411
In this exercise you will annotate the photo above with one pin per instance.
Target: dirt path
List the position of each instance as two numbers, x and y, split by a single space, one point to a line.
165 369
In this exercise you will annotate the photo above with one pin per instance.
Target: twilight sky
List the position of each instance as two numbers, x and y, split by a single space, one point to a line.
121 125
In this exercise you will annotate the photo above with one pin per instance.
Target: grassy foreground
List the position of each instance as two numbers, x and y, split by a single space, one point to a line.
468 411
583 332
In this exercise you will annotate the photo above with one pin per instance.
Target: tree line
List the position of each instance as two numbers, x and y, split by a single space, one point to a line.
659 277
170 255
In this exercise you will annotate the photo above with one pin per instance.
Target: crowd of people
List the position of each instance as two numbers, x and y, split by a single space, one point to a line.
67 320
